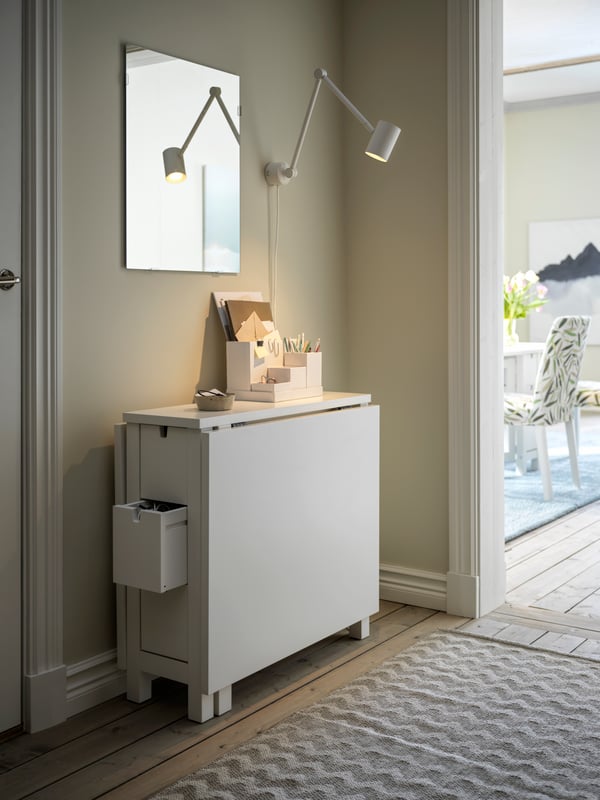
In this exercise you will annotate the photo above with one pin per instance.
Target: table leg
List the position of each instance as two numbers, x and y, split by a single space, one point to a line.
360 629
202 707
139 683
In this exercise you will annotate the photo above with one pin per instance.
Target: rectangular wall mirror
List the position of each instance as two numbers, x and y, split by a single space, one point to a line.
175 105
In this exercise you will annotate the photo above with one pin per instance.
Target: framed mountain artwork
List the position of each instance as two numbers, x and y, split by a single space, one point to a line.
566 256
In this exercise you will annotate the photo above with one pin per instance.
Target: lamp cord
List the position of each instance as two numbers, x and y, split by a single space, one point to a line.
273 252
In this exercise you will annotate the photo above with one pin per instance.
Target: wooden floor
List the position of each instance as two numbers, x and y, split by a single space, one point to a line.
124 751
552 588
128 751
557 567
553 581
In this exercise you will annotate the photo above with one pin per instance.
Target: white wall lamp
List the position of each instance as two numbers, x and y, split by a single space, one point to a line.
173 156
383 136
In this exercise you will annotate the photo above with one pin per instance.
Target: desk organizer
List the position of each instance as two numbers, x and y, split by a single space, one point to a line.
150 547
272 377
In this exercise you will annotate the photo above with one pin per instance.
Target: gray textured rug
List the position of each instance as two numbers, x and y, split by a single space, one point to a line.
451 717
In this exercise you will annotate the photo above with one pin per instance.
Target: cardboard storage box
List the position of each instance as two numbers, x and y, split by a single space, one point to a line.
150 546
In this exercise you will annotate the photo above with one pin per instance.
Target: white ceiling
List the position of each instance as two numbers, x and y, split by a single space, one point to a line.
542 31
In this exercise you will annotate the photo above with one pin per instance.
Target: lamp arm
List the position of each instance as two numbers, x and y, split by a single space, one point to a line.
201 116
350 106
227 116
307 118
321 76
215 94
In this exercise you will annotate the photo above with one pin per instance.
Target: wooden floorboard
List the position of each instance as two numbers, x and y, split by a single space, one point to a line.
535 542
547 619
553 633
124 750
589 606
557 568
582 546
574 594
555 576
26 747
553 589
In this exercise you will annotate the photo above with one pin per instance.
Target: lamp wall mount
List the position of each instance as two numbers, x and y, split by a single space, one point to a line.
383 135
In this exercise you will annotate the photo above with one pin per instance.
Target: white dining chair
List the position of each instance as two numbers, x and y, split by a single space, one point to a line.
554 393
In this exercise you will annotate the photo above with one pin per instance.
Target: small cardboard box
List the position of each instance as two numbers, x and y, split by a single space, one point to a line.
245 367
150 546
279 392
312 362
295 377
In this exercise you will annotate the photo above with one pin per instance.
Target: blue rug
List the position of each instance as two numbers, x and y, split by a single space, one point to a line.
524 506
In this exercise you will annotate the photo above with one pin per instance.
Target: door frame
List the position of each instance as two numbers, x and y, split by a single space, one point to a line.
44 680
11 669
476 578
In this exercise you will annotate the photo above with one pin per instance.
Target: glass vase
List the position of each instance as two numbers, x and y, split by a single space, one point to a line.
510 332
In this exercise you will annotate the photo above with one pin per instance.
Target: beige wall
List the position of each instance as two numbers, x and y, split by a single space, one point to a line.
552 172
362 252
138 339
397 264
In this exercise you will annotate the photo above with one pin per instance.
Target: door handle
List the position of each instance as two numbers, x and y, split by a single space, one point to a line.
8 279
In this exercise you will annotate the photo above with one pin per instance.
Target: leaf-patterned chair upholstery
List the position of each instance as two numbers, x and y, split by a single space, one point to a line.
554 393
588 394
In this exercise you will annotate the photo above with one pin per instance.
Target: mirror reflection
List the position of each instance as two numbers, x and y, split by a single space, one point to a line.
182 164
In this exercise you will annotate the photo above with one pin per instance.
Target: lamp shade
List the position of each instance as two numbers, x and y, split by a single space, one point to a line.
174 164
382 140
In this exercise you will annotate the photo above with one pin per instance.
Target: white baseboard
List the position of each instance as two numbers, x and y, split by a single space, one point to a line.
93 681
414 587
462 595
44 699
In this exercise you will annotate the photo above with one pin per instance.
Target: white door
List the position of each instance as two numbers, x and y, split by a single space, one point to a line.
10 364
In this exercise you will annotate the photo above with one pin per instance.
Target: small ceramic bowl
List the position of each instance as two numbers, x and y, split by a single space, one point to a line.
214 402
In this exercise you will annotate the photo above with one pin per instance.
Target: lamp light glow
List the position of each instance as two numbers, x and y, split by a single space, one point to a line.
173 156
380 146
